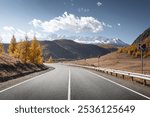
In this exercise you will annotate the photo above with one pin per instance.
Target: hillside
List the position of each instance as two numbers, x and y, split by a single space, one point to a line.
120 61
142 37
13 68
68 49
112 48
133 49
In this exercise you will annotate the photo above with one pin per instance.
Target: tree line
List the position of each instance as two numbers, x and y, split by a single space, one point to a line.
25 50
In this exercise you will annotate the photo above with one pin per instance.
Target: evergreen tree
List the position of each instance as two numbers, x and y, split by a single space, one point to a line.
17 52
1 48
25 50
36 52
50 60
12 46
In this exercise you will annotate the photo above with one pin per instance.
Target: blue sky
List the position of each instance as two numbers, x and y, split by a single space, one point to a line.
124 19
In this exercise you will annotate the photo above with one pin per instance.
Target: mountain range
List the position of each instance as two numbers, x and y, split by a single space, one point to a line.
78 47
68 49
97 40
101 40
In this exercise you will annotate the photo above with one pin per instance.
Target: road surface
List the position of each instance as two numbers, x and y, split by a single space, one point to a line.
70 83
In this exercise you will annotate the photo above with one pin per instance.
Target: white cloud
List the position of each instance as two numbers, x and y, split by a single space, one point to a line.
9 28
119 24
86 10
35 23
99 4
69 22
107 25
19 34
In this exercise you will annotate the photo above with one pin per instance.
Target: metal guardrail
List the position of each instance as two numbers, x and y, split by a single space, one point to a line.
118 72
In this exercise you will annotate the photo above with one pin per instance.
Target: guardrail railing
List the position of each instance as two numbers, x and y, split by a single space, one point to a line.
144 77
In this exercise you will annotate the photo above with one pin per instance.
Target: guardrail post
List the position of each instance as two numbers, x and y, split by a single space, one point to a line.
123 76
132 78
116 74
144 82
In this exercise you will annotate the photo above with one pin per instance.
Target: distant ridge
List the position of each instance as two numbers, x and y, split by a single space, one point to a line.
142 37
68 49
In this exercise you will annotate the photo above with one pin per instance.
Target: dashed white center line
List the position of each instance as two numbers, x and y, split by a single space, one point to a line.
69 86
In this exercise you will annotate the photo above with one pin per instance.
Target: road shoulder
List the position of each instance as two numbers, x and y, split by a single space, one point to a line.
9 83
145 90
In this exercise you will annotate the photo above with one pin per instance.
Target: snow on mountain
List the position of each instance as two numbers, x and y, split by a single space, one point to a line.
101 40
92 40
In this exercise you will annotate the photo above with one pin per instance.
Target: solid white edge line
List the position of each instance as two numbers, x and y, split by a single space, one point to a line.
119 85
21 83
69 86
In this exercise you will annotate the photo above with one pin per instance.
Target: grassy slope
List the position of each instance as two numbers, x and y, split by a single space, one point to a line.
119 61
12 68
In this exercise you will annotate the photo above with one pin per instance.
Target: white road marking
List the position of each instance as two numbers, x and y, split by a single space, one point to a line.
69 86
21 83
120 85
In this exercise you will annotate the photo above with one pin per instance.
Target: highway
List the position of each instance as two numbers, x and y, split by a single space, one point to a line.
70 83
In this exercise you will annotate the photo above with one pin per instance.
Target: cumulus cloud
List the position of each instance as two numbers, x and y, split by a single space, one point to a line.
36 23
69 22
107 25
9 28
99 4
19 34
119 24
83 10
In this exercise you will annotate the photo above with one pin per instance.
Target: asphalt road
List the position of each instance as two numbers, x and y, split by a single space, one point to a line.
70 83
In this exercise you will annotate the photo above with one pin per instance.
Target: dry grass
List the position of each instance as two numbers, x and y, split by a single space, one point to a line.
118 61
12 68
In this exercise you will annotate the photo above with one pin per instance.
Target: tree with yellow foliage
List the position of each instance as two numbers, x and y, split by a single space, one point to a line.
17 52
1 48
12 46
50 60
25 50
22 50
35 52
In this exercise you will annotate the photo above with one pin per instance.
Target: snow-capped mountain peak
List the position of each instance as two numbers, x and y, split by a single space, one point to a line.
101 40
93 40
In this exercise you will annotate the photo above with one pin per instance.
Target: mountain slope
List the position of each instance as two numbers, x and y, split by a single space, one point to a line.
111 48
120 61
133 49
11 68
143 36
68 49
56 51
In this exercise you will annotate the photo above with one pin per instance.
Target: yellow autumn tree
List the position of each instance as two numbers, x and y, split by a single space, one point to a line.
50 60
25 50
22 50
1 48
36 52
12 46
17 52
